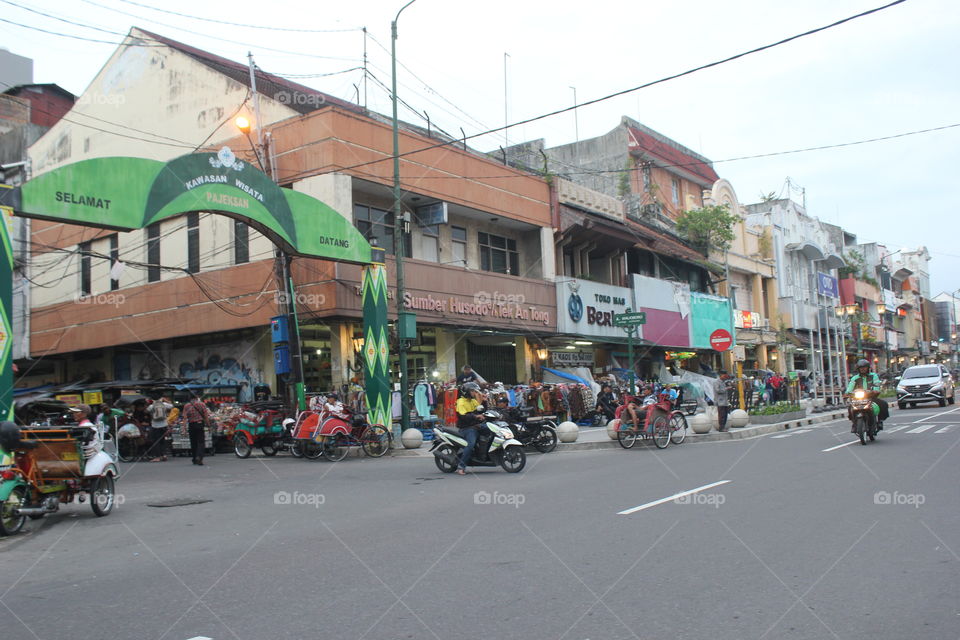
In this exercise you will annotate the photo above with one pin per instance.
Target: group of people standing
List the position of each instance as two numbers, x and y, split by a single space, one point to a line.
158 418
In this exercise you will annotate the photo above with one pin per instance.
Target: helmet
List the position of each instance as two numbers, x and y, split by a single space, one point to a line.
288 422
469 387
862 362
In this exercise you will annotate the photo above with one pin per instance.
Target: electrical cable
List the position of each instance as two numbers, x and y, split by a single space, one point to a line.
237 24
68 35
206 35
622 92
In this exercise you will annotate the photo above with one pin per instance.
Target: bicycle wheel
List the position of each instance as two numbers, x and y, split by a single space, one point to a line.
678 425
375 441
336 448
661 432
627 437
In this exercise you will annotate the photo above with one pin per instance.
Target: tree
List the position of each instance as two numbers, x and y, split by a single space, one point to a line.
708 228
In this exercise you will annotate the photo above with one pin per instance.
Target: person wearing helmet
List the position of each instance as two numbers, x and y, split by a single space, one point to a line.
469 405
869 381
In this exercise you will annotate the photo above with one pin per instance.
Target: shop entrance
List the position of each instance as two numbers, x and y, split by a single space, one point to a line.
496 363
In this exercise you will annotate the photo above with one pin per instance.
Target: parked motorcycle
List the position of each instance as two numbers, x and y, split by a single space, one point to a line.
538 432
496 445
863 414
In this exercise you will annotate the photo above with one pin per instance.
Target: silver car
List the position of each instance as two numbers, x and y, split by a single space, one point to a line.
925 383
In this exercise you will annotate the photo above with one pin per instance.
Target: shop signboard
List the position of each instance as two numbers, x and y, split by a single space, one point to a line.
711 318
747 319
586 308
92 397
569 358
69 398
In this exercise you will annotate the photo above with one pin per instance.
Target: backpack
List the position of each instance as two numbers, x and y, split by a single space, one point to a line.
158 411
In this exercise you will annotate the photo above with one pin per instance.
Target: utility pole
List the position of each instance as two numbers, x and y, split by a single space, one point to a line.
506 117
399 232
576 125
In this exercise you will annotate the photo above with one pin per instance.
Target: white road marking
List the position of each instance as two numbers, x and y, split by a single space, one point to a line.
840 446
942 413
673 497
922 428
900 428
945 429
793 432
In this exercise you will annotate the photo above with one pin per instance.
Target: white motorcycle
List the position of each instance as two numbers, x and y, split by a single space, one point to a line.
495 446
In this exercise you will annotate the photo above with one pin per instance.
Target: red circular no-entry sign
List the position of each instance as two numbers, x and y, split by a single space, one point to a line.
721 340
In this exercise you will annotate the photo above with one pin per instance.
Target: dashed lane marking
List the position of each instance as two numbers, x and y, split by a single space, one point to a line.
922 428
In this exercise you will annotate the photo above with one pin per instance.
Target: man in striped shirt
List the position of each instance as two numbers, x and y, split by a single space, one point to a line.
197 416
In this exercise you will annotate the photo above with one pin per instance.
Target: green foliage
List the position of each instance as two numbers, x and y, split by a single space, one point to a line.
765 244
857 267
768 197
707 228
888 393
776 409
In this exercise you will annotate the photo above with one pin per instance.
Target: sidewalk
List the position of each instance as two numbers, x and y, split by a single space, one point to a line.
596 437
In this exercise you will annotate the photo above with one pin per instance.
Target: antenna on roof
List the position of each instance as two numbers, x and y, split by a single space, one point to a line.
256 101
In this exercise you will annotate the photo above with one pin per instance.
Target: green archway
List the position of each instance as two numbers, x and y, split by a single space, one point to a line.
132 193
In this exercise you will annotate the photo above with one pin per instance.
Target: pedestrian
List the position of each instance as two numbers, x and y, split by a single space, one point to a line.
468 375
197 417
158 429
722 399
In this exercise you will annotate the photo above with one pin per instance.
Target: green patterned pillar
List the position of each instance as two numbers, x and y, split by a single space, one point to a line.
376 341
6 311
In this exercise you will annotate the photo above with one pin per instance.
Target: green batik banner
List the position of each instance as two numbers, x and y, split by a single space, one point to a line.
132 193
6 311
376 345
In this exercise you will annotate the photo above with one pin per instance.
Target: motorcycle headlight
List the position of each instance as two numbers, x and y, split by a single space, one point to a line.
859 394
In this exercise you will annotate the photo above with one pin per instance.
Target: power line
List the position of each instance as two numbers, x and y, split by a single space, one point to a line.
632 89
237 24
207 35
78 24
69 35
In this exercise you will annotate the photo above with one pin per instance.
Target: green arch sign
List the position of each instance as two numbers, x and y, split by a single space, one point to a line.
131 193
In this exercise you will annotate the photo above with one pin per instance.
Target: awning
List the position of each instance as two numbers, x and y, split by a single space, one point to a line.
810 250
660 242
833 261
902 273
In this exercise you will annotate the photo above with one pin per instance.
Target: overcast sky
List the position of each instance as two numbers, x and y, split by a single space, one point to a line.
888 73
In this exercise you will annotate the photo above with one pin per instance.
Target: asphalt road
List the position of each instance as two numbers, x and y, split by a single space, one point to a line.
806 537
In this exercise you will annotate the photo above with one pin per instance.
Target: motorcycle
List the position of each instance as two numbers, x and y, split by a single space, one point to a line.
863 412
536 431
496 445
46 467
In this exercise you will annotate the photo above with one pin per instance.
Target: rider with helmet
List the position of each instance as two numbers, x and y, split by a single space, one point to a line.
868 381
468 417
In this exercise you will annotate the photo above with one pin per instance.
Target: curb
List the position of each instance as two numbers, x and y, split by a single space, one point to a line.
741 433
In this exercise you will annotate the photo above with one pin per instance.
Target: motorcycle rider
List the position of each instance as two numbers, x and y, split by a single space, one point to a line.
468 418
869 381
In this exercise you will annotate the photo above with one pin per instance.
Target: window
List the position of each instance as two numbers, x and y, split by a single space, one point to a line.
153 252
498 254
85 285
241 242
430 243
193 242
458 246
114 259
377 224
675 186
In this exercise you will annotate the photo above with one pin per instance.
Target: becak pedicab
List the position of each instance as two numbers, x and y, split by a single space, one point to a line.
331 432
264 429
660 419
46 467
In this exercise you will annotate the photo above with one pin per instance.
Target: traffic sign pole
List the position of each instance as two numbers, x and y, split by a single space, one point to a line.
633 372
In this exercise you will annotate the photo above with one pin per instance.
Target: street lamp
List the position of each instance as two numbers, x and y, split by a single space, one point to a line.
399 231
